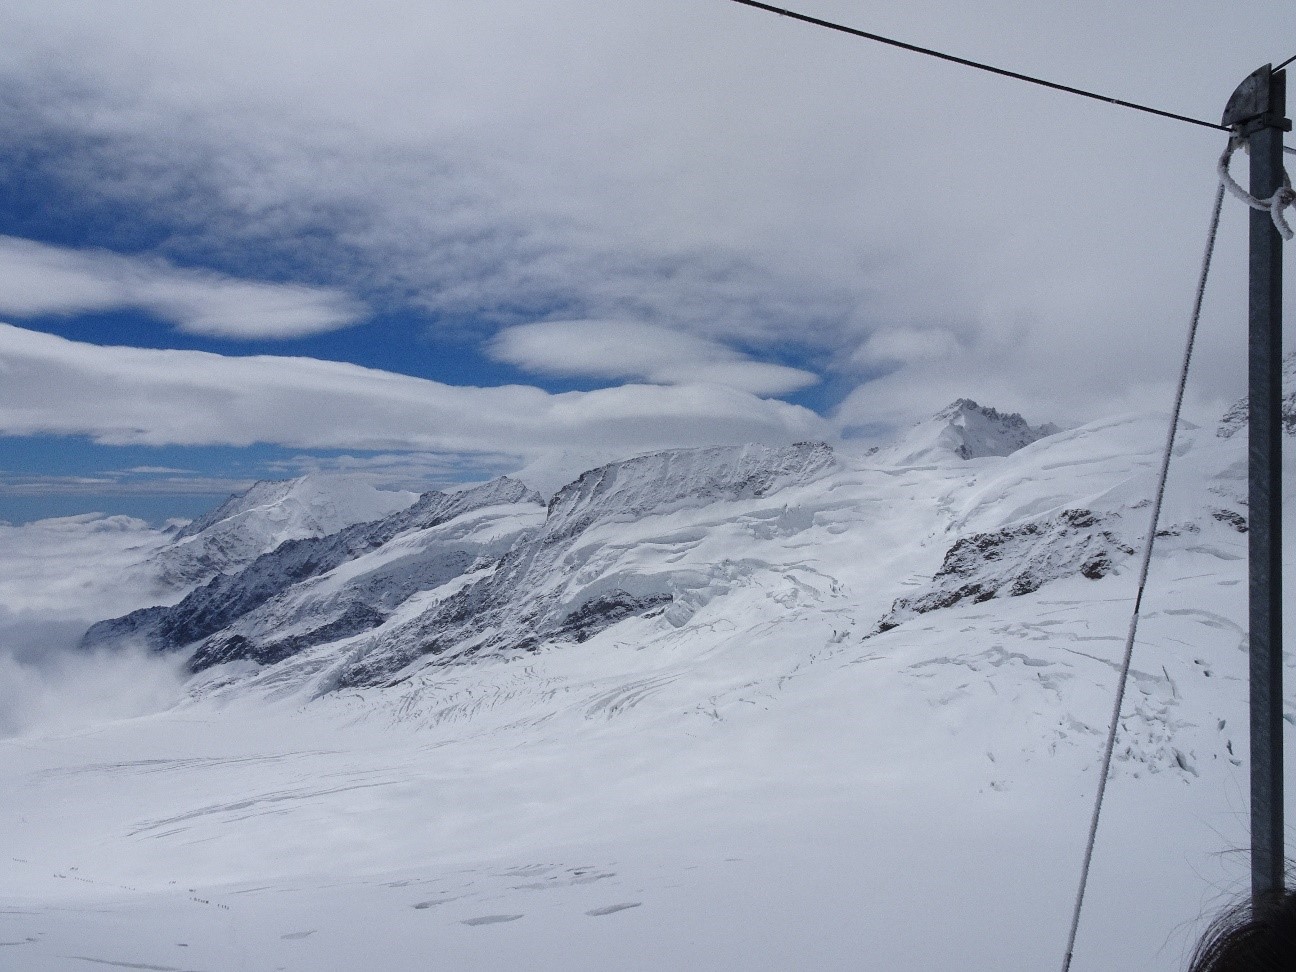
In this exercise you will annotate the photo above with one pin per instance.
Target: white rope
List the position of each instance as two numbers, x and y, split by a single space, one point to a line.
1143 574
1274 205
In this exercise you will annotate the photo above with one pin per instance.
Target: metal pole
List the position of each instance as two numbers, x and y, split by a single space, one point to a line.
1265 450
1263 97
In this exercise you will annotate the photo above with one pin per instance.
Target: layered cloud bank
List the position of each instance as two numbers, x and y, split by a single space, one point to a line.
38 279
711 170
134 396
628 349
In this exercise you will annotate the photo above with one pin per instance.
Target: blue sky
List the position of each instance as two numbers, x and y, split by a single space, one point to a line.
532 240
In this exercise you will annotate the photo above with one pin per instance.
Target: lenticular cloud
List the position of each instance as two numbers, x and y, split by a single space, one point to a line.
121 395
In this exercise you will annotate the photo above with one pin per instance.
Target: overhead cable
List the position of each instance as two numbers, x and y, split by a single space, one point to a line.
892 42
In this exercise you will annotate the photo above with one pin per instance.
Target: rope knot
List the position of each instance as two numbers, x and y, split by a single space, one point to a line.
1274 205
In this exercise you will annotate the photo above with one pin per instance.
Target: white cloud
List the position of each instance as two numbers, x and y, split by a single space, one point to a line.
48 684
711 168
1068 377
903 345
118 396
627 349
37 279
417 471
136 482
72 570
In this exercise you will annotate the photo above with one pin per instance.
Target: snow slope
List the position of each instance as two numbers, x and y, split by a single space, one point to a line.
752 772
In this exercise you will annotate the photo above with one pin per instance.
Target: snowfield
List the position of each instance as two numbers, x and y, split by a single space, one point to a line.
765 708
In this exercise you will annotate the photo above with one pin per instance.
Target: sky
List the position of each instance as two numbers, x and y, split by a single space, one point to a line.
434 242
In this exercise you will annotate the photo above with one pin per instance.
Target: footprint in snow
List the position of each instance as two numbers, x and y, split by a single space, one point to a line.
489 919
612 909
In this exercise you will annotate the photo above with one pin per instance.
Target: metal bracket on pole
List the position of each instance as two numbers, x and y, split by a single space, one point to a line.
1254 106
1257 114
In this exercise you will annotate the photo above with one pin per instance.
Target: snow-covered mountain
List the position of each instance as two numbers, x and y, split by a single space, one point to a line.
265 515
280 600
720 708
487 570
583 570
1235 419
968 431
453 575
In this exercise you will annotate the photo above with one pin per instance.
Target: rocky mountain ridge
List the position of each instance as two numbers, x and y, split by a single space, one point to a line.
495 570
228 597
283 603
549 588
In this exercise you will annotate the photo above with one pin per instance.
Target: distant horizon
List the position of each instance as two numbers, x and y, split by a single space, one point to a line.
188 493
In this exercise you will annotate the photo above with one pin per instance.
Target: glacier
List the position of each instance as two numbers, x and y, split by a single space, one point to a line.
757 707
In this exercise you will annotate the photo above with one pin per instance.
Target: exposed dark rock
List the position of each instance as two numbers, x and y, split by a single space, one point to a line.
1015 561
1236 520
357 618
602 612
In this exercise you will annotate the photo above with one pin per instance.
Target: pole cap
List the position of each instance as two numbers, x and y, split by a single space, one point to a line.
1259 102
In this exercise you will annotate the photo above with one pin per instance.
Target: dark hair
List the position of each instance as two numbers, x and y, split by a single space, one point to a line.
1251 939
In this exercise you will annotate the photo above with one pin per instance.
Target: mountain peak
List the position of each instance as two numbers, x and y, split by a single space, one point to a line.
968 430
265 515
310 505
963 406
